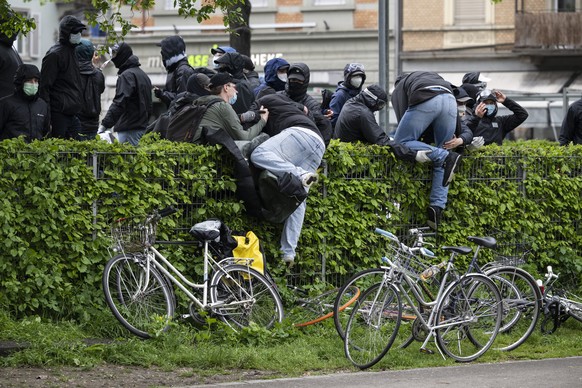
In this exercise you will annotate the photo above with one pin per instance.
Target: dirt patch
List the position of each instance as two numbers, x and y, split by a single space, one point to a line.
114 376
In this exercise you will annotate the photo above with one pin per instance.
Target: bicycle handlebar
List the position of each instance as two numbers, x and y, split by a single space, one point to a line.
386 234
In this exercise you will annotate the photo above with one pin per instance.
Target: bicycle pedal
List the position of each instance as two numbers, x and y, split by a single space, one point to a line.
426 351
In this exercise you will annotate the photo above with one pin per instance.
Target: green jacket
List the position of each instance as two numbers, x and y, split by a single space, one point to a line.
221 115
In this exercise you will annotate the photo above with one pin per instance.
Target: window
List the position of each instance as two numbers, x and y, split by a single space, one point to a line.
468 12
259 3
29 46
329 2
566 5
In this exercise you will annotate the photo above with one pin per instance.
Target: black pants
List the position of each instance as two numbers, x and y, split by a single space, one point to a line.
65 126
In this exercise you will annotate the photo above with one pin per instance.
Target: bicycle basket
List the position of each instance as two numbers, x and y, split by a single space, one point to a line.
511 249
132 234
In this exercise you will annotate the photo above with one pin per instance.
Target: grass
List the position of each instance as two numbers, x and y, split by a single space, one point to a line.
283 351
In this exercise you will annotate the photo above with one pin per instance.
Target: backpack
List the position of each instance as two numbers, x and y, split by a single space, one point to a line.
326 96
183 125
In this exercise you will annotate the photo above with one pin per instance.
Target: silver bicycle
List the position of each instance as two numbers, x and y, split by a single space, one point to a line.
139 281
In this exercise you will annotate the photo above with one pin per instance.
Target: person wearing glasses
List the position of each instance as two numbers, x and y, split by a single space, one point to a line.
222 115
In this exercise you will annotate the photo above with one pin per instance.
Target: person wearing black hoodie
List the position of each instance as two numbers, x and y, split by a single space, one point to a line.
132 105
234 64
9 62
60 84
23 113
173 50
92 85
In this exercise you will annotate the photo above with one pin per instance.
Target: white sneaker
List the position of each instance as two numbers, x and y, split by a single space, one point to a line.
309 179
289 260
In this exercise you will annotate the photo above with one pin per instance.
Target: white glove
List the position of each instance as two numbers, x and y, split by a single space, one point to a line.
102 129
477 143
422 156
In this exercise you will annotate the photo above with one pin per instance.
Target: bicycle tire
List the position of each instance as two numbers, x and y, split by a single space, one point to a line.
362 280
145 313
472 309
248 296
574 305
310 311
521 305
373 325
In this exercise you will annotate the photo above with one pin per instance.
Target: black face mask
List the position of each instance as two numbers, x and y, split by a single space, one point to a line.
296 89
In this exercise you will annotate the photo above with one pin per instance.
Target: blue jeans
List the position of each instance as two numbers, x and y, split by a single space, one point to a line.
131 137
299 153
440 112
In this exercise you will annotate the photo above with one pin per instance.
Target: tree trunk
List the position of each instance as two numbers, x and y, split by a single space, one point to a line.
240 38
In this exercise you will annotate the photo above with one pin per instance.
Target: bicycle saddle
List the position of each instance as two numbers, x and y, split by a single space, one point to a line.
206 231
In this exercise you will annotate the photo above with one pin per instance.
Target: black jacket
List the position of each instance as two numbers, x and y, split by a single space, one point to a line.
233 63
572 125
322 122
9 62
494 129
176 80
92 85
22 115
132 105
356 122
60 79
285 113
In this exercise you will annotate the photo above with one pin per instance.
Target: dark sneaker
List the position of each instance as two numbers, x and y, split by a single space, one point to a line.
434 216
452 163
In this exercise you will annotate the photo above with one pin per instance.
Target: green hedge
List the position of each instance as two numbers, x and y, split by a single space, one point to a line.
59 197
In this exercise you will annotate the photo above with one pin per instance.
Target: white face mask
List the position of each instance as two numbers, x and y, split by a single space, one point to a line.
356 81
75 38
282 76
461 109
214 59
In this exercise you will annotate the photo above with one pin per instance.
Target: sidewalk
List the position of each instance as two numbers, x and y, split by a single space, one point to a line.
548 373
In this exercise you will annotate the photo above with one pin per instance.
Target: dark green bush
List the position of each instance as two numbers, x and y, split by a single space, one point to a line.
59 197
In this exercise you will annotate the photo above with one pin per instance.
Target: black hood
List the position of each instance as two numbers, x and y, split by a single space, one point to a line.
198 84
232 63
293 89
374 97
69 24
124 51
172 46
471 78
24 72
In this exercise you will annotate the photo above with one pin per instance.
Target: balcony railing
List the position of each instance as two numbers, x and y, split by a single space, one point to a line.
552 31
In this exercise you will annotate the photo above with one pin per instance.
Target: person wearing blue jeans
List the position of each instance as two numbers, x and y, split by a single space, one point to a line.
424 100
295 146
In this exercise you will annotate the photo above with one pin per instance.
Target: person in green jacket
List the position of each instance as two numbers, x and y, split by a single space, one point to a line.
222 115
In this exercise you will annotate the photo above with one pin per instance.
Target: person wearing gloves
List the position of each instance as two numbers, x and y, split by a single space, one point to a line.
131 107
487 124
423 99
93 85
354 78
60 80
173 51
356 122
24 113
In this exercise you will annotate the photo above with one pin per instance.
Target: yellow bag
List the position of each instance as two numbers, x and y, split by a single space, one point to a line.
248 247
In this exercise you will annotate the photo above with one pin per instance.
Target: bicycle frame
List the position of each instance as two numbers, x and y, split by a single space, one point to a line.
152 254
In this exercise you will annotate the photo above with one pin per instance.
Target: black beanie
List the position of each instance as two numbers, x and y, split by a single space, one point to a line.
124 51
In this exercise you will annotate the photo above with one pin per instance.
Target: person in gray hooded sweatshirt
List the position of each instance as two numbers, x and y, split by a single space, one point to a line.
92 85
173 50
60 80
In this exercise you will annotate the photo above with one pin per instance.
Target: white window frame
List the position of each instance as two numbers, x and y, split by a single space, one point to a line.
28 47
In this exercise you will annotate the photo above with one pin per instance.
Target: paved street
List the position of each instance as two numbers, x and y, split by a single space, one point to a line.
549 373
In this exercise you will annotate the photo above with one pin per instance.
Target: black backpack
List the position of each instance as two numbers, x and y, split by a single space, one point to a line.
183 125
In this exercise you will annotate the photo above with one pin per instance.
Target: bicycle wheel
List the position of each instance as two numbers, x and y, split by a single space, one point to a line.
141 300
521 305
241 295
309 311
574 305
373 325
342 308
469 317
